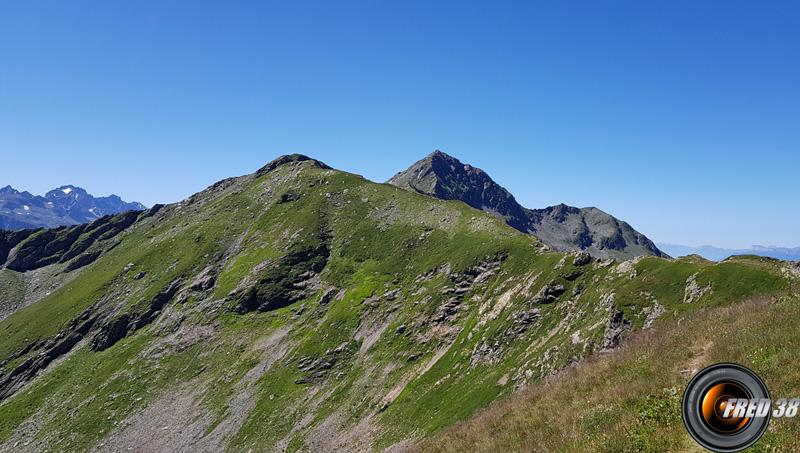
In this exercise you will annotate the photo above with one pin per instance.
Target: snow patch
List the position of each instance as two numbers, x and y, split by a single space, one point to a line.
26 207
66 190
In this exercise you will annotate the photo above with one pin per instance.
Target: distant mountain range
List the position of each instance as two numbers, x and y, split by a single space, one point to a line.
718 254
65 205
561 227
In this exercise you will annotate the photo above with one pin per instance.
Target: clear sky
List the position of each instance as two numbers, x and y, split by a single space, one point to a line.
681 117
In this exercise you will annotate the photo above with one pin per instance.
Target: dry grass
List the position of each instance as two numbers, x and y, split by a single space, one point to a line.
629 400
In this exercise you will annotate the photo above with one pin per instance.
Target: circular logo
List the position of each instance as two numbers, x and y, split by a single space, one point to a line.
722 407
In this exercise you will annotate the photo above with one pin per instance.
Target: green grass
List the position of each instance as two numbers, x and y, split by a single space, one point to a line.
12 290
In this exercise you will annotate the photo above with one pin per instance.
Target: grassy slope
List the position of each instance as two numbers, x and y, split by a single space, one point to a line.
630 400
12 288
381 239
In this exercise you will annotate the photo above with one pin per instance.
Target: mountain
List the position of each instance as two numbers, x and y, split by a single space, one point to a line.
66 205
561 227
443 176
303 308
716 254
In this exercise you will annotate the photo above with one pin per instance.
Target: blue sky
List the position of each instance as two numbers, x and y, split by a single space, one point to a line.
680 117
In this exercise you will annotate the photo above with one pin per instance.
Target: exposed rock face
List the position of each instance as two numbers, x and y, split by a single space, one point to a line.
582 259
66 205
617 326
652 313
693 291
561 227
549 293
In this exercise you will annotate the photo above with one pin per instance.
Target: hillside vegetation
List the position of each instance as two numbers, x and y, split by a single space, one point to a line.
304 308
630 400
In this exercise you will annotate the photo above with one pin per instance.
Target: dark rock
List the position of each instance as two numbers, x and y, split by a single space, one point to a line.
617 326
288 197
549 293
111 333
327 296
203 282
582 259
317 369
151 212
527 316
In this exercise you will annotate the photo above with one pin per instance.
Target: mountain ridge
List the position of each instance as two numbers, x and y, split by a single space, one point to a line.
720 253
562 227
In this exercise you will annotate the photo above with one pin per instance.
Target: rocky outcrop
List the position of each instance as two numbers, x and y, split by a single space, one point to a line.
618 325
292 278
49 350
463 283
693 292
651 314
316 369
582 259
120 326
549 293
35 249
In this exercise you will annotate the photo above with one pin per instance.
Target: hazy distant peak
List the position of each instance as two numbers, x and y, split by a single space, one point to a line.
64 205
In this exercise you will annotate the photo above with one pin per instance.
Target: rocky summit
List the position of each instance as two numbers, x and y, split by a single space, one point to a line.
303 308
561 227
65 205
